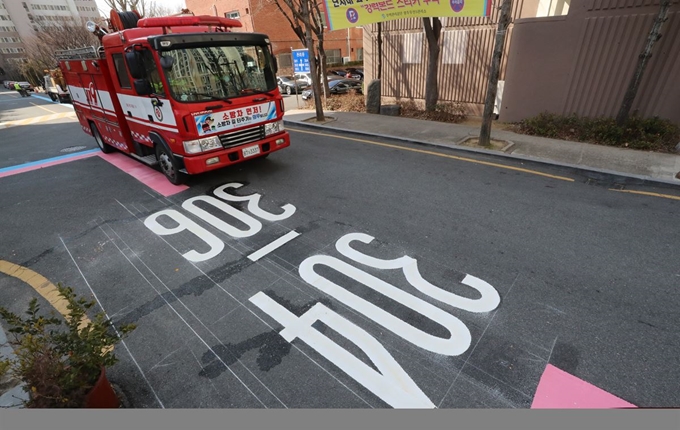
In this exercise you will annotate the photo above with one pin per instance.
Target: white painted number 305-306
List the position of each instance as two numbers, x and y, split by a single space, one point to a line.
390 382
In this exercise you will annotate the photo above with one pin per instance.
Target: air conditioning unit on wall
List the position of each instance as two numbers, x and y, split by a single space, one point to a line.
345 60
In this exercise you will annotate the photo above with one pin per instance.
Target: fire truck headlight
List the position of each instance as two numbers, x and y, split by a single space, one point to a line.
273 128
192 146
210 143
202 145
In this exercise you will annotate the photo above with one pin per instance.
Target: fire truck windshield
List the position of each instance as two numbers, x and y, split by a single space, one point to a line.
218 72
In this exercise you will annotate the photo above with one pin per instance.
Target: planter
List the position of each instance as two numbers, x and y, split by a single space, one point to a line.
102 394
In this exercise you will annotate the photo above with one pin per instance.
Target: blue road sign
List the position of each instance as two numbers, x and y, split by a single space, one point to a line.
301 61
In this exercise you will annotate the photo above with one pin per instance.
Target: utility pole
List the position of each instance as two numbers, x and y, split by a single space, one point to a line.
631 92
494 71
380 50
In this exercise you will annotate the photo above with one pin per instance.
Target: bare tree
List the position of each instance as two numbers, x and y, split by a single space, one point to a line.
125 5
654 35
11 69
41 46
317 28
157 8
144 7
433 31
303 17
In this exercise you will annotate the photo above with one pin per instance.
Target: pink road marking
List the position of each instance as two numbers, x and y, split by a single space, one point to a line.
558 389
43 165
143 173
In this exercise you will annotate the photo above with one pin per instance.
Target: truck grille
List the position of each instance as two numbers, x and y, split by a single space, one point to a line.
252 134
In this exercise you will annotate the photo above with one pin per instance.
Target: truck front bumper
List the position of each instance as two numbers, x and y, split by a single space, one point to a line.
214 160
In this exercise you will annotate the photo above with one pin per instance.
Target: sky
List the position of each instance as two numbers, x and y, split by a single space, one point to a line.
104 9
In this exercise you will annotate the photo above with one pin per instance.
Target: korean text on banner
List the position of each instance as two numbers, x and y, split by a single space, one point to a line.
235 118
355 13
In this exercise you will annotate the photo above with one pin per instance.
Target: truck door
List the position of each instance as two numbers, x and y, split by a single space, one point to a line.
158 109
98 99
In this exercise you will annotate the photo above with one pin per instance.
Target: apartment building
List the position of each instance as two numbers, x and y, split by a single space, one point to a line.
20 19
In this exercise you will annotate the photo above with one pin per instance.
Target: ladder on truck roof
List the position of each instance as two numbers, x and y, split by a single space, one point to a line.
85 53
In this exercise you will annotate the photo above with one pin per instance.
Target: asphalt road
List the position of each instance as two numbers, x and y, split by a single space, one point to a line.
572 275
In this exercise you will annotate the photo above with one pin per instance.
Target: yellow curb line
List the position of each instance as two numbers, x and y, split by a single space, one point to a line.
646 193
43 287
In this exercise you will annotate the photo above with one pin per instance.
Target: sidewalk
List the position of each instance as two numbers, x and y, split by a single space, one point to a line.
641 165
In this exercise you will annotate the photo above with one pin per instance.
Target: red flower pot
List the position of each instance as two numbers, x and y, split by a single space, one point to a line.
102 394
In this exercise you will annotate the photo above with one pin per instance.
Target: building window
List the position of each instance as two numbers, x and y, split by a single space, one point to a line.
285 60
333 57
233 14
360 54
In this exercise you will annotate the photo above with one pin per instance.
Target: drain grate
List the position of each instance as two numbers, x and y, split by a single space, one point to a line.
73 148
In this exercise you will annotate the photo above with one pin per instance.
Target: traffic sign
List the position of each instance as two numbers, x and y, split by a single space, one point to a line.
301 61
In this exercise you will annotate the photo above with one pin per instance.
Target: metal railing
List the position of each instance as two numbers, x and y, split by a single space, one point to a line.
86 53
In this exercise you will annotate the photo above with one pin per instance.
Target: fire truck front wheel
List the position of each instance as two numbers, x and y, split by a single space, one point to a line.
168 165
106 148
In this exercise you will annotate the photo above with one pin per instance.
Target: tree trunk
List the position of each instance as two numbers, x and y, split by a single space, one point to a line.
433 32
316 88
646 54
494 71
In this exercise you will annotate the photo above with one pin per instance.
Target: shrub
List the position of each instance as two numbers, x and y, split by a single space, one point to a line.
655 134
443 112
350 102
60 367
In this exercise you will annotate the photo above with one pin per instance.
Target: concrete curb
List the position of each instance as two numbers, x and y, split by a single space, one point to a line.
509 144
599 174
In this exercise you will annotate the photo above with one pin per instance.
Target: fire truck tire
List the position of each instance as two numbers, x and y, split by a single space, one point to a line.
105 147
129 19
168 165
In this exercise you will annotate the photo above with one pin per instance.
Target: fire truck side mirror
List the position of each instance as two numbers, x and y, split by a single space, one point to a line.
134 62
143 87
167 62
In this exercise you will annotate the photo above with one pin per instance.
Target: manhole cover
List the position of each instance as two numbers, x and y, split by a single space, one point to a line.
73 148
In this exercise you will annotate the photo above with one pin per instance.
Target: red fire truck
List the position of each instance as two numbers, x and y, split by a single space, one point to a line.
181 92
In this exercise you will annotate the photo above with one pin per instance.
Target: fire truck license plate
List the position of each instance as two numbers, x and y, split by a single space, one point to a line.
250 151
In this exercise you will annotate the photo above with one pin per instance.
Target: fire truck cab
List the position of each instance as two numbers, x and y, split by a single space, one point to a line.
181 92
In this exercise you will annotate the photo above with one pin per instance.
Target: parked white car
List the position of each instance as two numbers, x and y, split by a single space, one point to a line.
307 77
